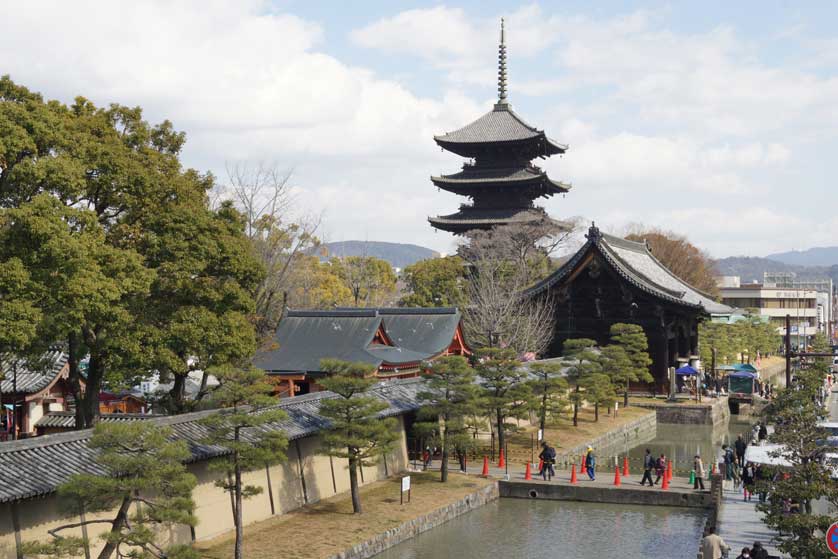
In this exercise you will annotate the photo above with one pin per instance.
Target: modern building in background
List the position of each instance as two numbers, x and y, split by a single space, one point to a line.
774 302
824 288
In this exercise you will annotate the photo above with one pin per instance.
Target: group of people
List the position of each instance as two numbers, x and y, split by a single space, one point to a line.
547 456
714 547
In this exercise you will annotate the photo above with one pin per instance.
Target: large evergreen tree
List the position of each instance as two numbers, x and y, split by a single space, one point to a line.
357 432
451 397
635 366
548 385
247 407
142 470
504 386
582 360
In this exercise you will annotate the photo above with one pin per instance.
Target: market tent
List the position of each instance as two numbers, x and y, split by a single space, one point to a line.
686 370
745 367
743 374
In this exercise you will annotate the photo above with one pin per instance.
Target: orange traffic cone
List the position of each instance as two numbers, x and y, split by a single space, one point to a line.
617 476
573 473
501 460
713 469
528 472
665 484
540 465
669 471
582 464
485 466
625 466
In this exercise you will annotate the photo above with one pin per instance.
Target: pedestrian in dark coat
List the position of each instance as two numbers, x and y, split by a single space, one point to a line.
648 466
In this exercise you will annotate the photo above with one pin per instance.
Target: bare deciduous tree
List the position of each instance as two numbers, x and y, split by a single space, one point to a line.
262 192
502 263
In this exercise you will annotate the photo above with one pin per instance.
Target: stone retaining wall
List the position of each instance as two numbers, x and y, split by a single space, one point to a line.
715 413
640 430
414 527
608 494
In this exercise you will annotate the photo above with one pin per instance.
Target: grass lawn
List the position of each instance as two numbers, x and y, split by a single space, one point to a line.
563 435
328 527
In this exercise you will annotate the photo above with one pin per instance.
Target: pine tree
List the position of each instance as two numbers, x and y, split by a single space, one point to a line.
451 397
503 381
582 361
357 432
549 389
247 408
795 415
632 339
599 391
142 469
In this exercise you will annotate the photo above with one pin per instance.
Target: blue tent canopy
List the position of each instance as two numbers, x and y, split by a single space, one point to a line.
745 367
686 370
742 374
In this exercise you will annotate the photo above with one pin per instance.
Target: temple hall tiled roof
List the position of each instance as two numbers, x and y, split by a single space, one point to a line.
33 375
634 262
37 466
304 338
67 419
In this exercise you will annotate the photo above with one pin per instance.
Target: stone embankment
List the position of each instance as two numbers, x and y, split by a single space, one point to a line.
626 436
714 412
423 523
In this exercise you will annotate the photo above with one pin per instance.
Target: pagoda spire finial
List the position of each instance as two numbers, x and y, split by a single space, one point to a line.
502 100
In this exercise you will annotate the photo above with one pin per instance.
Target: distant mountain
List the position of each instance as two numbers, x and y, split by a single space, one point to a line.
817 256
398 255
751 268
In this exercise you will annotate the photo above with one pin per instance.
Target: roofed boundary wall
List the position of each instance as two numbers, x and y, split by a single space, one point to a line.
306 477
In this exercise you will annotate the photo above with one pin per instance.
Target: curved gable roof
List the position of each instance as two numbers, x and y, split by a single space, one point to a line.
634 262
33 375
501 124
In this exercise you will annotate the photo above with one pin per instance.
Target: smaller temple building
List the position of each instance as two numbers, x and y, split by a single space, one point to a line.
612 280
395 340
30 389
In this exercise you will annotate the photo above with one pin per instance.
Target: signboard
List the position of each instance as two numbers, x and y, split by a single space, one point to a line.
832 538
405 487
540 434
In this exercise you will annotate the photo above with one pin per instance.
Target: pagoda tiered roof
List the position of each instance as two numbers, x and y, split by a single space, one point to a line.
501 181
473 178
501 125
471 218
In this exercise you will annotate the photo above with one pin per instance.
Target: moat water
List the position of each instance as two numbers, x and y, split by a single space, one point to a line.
554 529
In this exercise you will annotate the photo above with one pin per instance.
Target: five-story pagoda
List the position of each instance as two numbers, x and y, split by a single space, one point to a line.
500 179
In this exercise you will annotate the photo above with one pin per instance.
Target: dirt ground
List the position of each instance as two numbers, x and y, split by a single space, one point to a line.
328 527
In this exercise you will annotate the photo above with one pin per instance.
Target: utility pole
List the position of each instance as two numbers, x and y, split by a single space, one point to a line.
788 350
14 400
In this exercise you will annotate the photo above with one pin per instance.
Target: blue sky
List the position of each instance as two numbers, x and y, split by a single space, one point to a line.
713 119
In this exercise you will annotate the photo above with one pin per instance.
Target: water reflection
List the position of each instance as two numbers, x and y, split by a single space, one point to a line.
551 529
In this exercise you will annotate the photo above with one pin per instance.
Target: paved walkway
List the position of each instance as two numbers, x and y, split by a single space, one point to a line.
740 524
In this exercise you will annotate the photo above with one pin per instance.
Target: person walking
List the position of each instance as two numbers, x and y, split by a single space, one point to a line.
748 479
648 466
739 447
548 458
761 476
746 554
712 545
590 463
660 468
727 460
763 432
698 466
